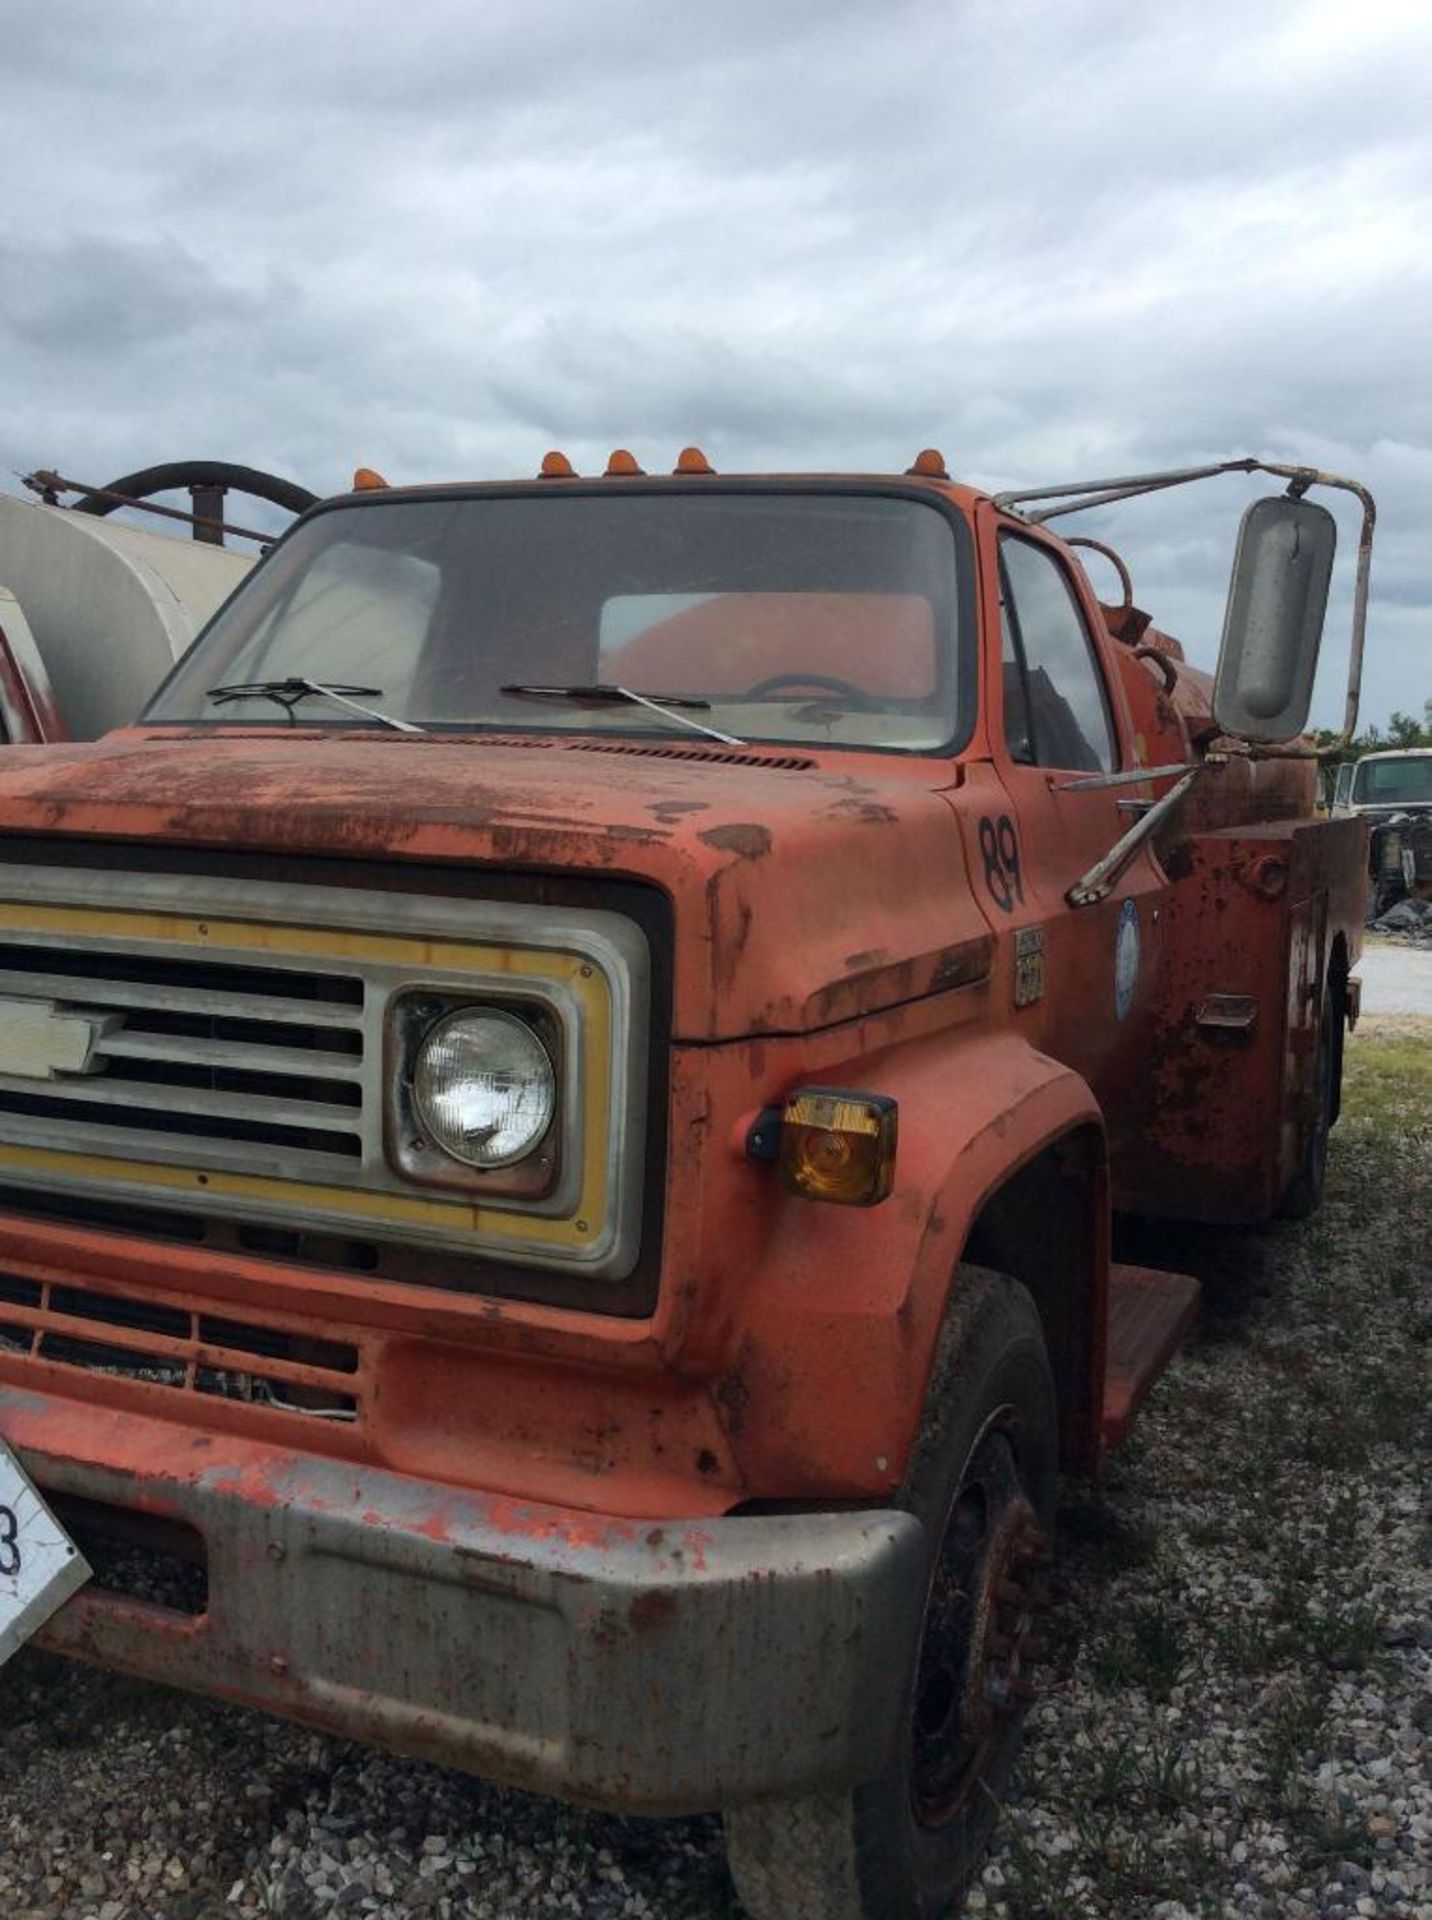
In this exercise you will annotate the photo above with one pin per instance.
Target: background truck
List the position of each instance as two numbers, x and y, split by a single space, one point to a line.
570 1080
1392 791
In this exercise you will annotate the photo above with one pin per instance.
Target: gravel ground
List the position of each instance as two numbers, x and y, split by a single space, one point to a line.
1237 1701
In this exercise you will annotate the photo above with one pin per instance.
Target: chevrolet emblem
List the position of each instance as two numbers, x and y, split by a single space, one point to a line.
41 1041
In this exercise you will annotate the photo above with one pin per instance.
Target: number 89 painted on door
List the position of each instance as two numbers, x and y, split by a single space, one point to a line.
999 849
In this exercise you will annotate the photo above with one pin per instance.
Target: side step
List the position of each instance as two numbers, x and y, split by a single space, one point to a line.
1149 1313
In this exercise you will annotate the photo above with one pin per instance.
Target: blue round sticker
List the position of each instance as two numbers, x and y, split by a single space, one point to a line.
1126 958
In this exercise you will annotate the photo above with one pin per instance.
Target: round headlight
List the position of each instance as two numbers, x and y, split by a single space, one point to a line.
484 1087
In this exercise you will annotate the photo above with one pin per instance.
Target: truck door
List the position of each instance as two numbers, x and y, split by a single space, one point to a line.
1061 726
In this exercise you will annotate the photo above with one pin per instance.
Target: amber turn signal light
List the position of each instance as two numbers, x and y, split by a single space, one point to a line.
838 1146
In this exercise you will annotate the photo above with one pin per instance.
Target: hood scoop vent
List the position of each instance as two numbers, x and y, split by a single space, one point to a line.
656 750
783 763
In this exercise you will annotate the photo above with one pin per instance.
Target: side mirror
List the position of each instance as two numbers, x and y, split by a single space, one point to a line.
1274 624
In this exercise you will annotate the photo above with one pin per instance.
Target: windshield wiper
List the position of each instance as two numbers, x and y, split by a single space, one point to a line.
288 693
668 705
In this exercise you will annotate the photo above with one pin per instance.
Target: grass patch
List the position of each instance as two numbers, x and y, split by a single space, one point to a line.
1248 1553
1387 1079
1149 1647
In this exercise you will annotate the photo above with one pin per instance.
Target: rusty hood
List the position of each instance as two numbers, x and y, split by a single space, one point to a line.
807 889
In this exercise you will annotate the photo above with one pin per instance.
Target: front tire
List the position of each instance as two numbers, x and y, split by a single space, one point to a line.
907 1845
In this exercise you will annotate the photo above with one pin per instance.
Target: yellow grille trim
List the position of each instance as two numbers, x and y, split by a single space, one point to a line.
584 981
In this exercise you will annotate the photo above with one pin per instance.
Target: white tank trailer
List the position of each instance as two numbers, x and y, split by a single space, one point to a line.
94 612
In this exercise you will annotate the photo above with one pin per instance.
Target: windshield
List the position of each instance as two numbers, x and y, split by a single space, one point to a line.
1386 783
818 618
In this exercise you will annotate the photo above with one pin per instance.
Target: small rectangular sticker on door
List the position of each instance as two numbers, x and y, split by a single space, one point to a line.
1028 966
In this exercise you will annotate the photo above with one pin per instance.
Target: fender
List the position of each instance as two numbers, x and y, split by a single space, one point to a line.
843 1310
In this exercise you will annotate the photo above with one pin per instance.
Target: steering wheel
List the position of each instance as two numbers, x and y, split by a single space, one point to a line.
816 682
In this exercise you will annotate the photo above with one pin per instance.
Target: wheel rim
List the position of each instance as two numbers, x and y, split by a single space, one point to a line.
979 1648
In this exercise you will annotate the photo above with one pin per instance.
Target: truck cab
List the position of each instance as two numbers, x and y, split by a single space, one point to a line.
1392 791
561 1100
1396 779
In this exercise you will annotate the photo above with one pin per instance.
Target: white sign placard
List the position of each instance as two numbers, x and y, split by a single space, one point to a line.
39 1567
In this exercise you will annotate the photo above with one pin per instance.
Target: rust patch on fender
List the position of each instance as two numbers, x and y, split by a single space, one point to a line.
651 1610
963 965
865 813
674 809
733 1397
743 837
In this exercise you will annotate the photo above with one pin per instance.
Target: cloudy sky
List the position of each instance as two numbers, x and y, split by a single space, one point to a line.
1057 240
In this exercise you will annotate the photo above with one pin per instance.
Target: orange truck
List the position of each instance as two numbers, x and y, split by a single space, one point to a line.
562 1094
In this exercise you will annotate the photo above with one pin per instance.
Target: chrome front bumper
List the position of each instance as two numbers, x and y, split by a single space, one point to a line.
654 1667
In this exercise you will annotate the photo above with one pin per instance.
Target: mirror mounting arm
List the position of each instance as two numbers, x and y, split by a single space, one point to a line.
1099 880
1076 497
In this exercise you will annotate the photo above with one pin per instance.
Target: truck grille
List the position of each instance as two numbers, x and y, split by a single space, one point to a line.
168 1346
262 1062
238 1049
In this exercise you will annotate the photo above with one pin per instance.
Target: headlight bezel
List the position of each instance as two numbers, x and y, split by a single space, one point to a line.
425 1097
540 1179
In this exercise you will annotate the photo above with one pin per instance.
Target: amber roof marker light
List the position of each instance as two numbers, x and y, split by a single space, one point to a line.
556 466
692 460
929 464
620 462
368 480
